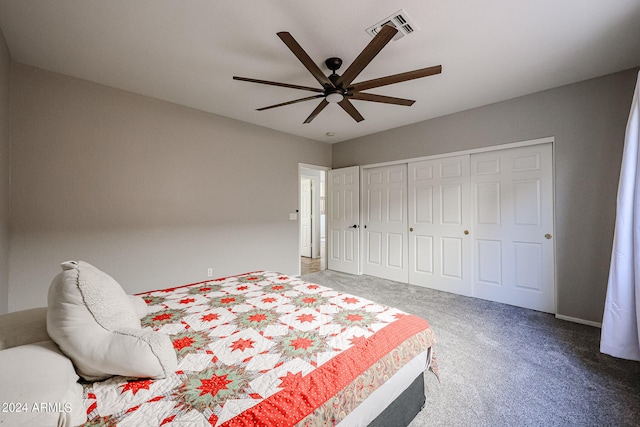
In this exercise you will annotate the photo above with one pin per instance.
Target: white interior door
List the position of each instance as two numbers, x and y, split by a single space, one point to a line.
306 229
513 226
385 222
343 237
439 223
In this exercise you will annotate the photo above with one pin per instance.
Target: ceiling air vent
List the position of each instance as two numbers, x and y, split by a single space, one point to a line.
400 20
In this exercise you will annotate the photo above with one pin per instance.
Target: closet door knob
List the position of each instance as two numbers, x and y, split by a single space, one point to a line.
466 232
411 229
547 236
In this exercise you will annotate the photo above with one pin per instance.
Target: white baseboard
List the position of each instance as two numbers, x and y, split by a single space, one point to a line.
576 320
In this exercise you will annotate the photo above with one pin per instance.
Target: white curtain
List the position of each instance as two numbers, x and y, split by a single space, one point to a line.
621 321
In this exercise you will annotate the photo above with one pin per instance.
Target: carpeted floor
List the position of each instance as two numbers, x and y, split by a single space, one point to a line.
507 366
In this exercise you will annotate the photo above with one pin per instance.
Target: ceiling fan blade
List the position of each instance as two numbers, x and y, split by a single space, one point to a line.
299 52
315 112
368 53
295 101
267 82
351 110
397 78
381 98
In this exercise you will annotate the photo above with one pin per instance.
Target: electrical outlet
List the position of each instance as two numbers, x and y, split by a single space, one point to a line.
209 272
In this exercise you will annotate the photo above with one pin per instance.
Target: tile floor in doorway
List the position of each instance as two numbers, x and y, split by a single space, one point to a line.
312 265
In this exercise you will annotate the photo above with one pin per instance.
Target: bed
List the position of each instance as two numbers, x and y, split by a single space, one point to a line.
256 349
267 349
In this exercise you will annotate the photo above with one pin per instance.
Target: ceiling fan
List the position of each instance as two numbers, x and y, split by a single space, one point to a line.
340 89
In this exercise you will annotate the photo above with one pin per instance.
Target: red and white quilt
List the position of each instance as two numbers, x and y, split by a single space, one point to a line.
261 349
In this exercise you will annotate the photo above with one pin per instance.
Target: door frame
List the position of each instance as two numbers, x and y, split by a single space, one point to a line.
526 143
311 232
301 173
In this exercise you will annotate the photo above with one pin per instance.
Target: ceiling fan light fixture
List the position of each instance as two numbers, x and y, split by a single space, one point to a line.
334 97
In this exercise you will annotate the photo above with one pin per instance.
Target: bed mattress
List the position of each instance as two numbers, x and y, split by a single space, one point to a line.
264 348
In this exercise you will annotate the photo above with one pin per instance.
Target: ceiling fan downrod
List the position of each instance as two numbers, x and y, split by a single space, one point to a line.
334 94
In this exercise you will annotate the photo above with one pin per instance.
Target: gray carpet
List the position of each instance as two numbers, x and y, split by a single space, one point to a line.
507 366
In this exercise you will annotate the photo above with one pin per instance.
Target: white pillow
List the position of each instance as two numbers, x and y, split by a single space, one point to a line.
95 323
139 305
37 374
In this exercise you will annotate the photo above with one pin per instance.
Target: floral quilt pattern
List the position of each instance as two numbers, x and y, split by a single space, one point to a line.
261 349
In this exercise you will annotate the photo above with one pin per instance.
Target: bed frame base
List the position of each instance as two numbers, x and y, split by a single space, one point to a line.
405 408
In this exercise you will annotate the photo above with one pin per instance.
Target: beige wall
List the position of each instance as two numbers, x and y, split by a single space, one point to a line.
588 121
5 139
151 192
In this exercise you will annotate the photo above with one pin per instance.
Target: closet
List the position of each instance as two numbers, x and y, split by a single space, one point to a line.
476 224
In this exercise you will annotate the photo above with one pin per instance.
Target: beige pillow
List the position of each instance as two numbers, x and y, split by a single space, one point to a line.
95 323
39 387
23 327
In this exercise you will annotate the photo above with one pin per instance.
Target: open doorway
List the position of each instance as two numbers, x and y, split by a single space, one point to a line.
312 219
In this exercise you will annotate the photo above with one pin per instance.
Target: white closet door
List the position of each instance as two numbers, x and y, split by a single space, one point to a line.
439 221
385 222
513 226
343 235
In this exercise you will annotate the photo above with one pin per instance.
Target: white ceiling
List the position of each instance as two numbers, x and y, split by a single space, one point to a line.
186 51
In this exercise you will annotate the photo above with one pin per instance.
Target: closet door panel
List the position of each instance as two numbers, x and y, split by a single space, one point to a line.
385 225
439 214
513 226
